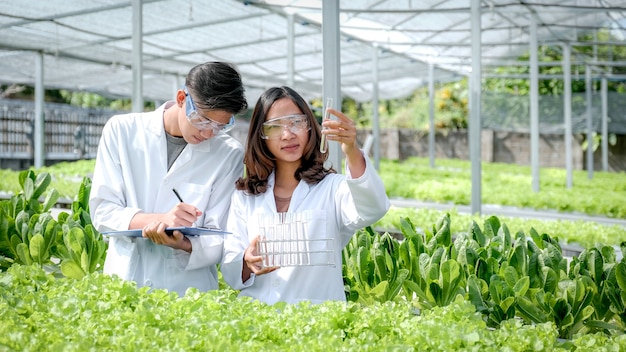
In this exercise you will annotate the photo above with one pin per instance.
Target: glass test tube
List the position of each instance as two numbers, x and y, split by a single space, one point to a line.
324 144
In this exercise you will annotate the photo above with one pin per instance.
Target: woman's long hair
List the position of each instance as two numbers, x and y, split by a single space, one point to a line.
258 159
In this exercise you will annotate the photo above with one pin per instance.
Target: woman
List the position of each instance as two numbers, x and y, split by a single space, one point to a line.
285 173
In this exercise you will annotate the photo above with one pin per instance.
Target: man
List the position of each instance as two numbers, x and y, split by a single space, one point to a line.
148 163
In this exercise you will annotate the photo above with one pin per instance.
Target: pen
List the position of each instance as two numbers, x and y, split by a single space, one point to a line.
177 195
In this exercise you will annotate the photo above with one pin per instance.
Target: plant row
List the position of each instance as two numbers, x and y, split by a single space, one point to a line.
68 245
506 184
504 276
43 313
579 233
449 183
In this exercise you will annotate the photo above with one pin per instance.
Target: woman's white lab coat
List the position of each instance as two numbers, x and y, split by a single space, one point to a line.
131 176
336 208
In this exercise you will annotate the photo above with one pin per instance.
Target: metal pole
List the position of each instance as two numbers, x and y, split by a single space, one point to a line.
375 117
431 114
38 131
605 126
589 122
534 104
567 110
331 68
137 65
290 51
474 106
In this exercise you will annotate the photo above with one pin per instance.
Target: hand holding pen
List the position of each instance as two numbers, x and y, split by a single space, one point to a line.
183 214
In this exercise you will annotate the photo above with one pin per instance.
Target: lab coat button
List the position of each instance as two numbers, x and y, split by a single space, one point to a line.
148 283
275 283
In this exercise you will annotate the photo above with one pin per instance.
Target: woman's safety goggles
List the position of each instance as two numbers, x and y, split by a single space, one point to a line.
204 123
274 128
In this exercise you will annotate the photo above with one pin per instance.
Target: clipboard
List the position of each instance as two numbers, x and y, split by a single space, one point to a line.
187 231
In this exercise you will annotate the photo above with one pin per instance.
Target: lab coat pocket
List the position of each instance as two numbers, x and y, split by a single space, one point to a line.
121 259
197 195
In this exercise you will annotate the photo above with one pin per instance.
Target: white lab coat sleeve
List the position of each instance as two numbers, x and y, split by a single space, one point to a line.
107 198
235 244
362 201
208 250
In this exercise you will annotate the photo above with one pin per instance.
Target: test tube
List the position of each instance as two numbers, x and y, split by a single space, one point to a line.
324 144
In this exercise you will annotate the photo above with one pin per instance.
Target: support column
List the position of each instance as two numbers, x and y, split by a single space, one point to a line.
588 85
605 126
567 110
331 68
137 98
290 51
534 104
475 106
39 132
431 114
375 117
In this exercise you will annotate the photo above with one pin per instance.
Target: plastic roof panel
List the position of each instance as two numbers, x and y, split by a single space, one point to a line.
87 45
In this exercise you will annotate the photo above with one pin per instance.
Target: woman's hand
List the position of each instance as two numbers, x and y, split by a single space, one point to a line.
343 130
253 262
155 231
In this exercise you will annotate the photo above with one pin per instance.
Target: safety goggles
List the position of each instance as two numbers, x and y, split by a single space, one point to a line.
274 128
204 123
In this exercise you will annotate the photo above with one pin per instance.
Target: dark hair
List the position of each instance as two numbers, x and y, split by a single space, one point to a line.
217 86
258 159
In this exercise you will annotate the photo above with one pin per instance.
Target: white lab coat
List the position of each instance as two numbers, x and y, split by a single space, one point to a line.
131 176
338 206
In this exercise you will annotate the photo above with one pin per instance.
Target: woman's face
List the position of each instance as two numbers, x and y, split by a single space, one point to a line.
284 144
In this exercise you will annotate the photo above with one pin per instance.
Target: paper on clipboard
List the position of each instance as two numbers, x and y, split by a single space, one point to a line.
187 231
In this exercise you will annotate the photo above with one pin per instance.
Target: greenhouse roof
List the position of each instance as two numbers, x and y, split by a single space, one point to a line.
87 45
